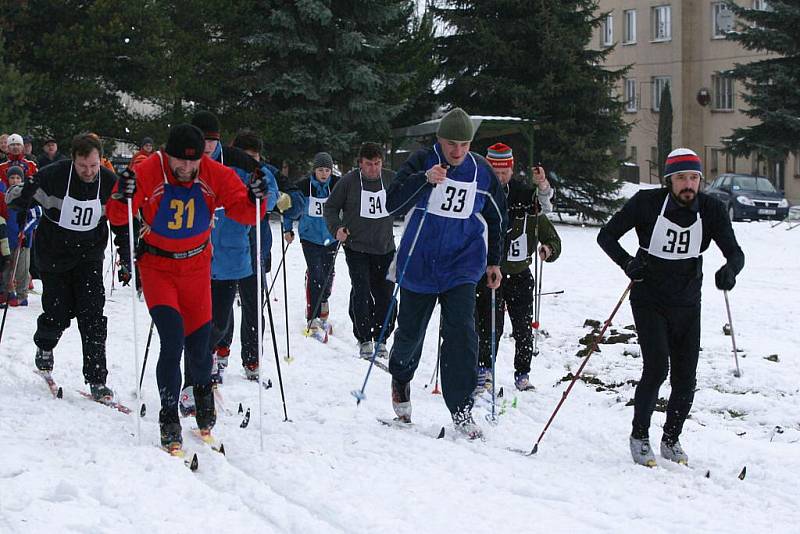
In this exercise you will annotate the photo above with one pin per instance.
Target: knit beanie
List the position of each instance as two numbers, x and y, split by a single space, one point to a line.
185 142
682 160
147 141
15 171
323 159
500 156
456 126
208 124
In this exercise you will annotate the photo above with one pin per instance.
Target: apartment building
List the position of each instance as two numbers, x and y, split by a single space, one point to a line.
682 43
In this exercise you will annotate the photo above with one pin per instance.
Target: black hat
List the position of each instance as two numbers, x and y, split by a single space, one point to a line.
185 142
27 139
208 124
49 139
323 159
147 141
15 170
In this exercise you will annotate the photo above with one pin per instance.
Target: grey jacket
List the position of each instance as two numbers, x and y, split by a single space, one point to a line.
343 208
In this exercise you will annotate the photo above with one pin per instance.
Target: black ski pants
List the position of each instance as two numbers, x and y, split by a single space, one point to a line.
459 353
370 294
77 293
669 337
319 275
515 294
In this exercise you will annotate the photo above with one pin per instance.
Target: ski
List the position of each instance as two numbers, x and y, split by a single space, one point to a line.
55 389
379 364
178 452
110 403
396 423
245 420
206 437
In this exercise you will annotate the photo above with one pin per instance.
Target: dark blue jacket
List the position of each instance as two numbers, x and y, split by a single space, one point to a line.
30 226
449 252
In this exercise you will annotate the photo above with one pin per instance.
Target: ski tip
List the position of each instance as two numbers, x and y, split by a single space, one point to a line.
708 473
143 410
241 410
193 465
501 392
60 393
743 473
441 433
222 449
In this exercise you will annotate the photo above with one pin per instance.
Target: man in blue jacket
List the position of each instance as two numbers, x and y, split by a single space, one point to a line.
231 266
453 237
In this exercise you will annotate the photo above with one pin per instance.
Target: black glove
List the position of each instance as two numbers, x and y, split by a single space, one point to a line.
725 278
124 274
126 186
635 269
22 219
257 188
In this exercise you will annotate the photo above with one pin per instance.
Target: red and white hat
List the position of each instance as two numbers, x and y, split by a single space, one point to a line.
500 156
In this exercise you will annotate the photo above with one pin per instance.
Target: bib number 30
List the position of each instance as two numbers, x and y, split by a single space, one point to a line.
81 216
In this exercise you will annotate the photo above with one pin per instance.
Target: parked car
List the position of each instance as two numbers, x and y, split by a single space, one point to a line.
749 197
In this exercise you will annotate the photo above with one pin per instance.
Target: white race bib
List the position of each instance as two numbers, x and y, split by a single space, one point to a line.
674 242
518 248
80 215
373 205
316 206
452 199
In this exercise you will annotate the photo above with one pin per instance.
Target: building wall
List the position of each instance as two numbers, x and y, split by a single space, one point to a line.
691 57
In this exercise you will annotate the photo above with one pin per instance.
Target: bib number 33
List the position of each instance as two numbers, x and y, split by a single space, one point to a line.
454 199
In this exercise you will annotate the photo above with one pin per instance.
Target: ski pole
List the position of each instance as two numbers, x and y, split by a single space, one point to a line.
580 369
537 307
322 289
277 359
359 394
134 277
494 353
143 409
13 281
435 374
559 292
738 373
260 326
285 302
280 266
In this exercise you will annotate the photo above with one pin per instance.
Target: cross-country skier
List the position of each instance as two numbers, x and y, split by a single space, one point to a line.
177 191
675 225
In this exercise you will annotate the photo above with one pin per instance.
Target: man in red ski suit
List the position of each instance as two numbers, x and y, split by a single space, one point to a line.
178 190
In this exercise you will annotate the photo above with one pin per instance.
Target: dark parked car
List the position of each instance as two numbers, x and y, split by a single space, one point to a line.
749 197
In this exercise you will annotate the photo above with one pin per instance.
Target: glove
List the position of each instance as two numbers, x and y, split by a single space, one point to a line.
124 274
635 269
22 219
126 187
725 278
284 202
257 188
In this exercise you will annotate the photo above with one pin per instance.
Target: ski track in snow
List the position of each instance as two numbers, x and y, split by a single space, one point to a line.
71 465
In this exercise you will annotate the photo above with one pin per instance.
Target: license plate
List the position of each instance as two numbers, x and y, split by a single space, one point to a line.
767 212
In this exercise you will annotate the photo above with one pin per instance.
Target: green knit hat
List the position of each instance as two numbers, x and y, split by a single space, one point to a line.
456 126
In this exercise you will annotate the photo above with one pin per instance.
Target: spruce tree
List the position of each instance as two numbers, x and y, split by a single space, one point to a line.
534 59
14 90
664 141
772 85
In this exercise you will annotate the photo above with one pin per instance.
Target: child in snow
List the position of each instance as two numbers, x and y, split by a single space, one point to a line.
319 246
14 285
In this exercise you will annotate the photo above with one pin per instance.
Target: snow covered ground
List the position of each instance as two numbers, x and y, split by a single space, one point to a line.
70 465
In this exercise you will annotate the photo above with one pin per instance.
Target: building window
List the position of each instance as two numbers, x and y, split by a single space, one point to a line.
607 31
760 5
629 31
634 155
721 20
630 96
713 166
730 162
723 92
659 82
661 19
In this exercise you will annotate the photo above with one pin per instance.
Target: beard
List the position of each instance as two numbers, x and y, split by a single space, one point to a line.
685 197
185 176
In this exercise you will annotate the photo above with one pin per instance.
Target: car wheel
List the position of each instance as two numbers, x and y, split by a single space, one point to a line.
732 213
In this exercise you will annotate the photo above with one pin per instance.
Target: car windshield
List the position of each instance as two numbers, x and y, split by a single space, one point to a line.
752 183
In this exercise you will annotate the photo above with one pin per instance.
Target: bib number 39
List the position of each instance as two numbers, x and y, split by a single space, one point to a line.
677 242
81 216
454 199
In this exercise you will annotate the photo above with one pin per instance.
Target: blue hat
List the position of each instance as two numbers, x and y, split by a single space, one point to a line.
682 160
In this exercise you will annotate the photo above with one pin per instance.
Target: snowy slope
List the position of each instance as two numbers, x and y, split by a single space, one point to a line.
70 465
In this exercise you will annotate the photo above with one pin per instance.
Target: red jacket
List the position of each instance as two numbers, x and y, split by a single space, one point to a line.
17 161
139 157
219 186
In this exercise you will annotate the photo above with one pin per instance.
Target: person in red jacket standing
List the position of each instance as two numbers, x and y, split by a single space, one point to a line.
177 193
16 158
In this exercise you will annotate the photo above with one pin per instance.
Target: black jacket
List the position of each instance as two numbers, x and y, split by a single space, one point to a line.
58 249
44 160
669 282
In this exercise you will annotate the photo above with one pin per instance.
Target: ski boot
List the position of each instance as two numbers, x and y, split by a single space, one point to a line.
317 330
170 427
186 403
642 453
522 382
206 413
465 424
44 360
401 401
251 371
324 311
101 392
222 357
216 372
365 350
484 382
382 351
673 452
